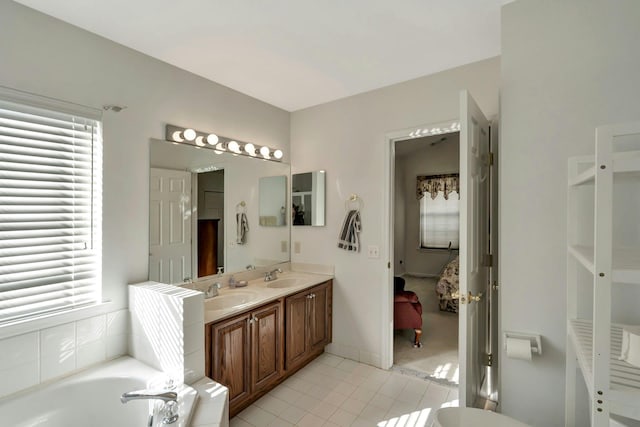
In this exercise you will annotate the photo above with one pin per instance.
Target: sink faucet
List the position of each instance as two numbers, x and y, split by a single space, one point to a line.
212 290
271 275
164 395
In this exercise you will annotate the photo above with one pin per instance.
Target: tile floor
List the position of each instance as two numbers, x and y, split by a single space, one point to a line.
332 391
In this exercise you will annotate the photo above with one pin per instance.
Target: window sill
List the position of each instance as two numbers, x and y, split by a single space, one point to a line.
26 326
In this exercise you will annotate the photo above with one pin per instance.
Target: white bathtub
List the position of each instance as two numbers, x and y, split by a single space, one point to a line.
92 398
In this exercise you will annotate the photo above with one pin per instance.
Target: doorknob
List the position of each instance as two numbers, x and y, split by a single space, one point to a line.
466 298
475 298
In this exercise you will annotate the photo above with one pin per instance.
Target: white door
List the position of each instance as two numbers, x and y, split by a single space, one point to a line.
169 225
474 238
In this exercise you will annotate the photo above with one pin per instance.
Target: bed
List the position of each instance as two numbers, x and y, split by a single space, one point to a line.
447 285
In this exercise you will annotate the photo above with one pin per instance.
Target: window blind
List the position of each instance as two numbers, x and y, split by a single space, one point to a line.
50 210
440 221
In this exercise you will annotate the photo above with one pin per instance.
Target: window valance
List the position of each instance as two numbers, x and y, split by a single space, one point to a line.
432 184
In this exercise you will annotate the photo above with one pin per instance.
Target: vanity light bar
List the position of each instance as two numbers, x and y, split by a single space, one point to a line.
220 144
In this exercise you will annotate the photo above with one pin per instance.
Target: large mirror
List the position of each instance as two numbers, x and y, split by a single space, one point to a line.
308 198
273 201
204 213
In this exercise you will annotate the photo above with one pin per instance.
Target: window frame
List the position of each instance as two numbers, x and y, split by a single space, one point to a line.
423 201
96 306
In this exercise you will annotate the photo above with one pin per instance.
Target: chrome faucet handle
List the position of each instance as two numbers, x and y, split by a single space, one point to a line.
212 290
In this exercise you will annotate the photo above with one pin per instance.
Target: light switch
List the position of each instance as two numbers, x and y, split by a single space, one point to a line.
283 246
296 247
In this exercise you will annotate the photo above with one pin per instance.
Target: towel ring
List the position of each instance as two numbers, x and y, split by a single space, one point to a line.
353 199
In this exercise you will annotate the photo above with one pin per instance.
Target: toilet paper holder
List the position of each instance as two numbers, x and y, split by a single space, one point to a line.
536 340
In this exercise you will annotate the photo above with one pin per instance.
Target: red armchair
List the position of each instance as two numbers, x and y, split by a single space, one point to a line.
407 311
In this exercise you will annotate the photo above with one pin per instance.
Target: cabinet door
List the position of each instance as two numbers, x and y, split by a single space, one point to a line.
319 320
296 326
266 345
231 357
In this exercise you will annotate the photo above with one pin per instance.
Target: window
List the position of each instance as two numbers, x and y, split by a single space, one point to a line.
50 206
439 211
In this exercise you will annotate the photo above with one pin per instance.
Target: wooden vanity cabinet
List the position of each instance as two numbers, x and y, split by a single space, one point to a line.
308 324
249 352
246 353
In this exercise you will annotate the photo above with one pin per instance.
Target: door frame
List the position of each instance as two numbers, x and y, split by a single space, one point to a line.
438 128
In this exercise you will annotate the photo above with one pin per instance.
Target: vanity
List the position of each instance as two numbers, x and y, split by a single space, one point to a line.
218 212
258 335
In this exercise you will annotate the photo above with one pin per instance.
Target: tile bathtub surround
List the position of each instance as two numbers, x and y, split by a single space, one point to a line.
332 391
29 359
167 324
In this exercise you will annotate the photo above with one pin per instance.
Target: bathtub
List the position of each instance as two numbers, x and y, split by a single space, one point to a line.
92 398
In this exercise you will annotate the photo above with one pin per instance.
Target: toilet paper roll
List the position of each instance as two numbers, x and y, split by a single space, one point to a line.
519 348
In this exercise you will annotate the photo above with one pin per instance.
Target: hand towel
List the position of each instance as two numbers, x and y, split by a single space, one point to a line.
242 228
349 239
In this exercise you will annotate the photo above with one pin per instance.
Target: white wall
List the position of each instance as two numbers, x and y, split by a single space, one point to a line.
567 67
48 57
347 139
438 159
51 58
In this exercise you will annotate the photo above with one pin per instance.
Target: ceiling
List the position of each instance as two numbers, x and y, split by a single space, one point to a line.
296 53
409 147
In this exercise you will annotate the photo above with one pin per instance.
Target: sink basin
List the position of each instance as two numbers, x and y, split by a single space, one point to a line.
285 282
230 300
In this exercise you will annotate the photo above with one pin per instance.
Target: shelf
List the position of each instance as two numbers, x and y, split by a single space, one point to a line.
626 162
626 262
586 177
624 377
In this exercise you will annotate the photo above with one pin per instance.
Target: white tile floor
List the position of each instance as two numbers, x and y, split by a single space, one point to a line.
332 391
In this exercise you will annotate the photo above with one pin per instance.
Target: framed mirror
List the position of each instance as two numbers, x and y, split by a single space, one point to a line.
196 200
308 198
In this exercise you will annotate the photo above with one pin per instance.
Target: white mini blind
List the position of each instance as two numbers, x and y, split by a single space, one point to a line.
50 210
440 221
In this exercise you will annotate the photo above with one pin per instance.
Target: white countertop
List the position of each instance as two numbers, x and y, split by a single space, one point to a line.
257 293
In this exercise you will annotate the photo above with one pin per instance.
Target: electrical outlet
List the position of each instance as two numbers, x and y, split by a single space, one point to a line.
373 252
296 247
283 246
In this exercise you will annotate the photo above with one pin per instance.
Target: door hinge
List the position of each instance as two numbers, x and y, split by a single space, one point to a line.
490 158
488 260
488 359
389 265
495 286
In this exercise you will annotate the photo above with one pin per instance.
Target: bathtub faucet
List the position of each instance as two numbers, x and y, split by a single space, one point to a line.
165 396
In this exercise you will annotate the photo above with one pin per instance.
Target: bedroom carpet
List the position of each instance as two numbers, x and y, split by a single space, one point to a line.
438 357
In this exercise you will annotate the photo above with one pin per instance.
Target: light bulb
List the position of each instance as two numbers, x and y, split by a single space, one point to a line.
176 136
200 141
221 147
265 152
233 146
250 149
212 139
278 154
189 134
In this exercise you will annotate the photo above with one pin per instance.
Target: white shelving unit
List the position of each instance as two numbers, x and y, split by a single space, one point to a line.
603 260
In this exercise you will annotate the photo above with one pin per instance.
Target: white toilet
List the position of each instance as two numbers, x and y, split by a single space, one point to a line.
467 417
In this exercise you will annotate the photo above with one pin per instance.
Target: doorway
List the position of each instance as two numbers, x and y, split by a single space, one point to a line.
478 320
426 247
